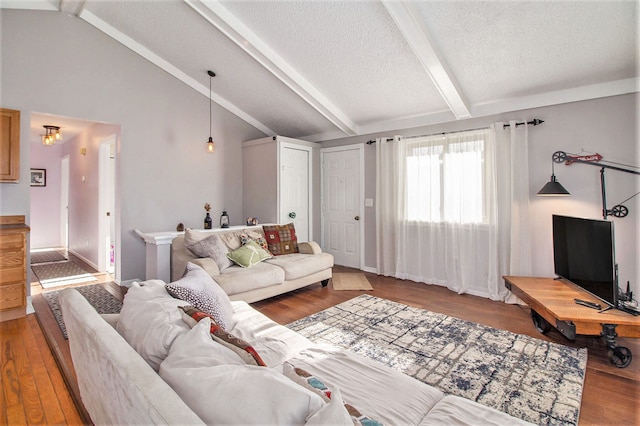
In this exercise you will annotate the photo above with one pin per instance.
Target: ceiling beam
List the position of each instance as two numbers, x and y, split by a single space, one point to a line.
170 68
416 33
223 20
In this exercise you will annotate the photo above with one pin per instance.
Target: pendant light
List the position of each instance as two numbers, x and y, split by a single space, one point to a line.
52 134
211 145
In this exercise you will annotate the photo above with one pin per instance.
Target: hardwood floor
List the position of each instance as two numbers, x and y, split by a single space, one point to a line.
610 394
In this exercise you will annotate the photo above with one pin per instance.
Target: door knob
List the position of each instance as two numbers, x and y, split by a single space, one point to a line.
357 218
292 215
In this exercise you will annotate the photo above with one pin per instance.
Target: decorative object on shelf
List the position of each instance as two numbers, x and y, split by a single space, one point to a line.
180 227
208 222
51 135
553 188
211 145
224 219
38 177
252 221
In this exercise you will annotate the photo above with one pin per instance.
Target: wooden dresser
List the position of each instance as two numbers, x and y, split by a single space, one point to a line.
13 267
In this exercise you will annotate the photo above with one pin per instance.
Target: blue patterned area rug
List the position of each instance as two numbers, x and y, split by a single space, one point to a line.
532 379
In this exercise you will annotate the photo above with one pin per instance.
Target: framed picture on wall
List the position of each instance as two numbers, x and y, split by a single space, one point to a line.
38 177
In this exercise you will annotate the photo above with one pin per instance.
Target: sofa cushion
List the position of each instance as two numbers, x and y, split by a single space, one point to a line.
198 349
281 238
461 411
213 247
240 394
150 320
404 400
239 280
249 255
300 265
198 289
240 347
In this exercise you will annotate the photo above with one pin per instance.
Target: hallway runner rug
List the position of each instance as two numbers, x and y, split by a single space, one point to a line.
532 379
61 273
99 297
48 256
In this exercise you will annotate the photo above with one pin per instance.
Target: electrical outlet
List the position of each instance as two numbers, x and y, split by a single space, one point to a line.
368 202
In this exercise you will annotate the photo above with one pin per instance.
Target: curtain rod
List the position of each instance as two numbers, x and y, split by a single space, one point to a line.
533 122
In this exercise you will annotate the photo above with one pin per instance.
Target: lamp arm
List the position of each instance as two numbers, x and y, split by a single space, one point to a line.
606 166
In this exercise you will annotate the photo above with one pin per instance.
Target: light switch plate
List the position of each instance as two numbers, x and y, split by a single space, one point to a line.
368 202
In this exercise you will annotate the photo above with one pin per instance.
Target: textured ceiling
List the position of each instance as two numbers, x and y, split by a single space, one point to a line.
320 70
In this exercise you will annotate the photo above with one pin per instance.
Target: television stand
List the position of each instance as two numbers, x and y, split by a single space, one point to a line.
552 303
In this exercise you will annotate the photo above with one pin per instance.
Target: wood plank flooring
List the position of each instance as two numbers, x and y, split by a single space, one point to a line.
610 395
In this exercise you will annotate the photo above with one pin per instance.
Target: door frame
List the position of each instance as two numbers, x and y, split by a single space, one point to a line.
360 148
104 153
65 161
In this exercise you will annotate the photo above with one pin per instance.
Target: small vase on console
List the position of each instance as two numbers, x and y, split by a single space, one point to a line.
207 219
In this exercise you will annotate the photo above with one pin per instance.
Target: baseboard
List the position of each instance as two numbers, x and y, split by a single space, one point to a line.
369 269
84 259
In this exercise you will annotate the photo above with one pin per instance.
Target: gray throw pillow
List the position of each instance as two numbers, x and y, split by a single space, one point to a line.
200 290
212 247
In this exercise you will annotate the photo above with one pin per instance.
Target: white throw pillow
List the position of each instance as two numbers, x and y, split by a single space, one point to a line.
333 413
240 394
150 321
197 349
199 290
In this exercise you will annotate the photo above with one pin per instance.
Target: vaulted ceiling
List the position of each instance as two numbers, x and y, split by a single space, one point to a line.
320 70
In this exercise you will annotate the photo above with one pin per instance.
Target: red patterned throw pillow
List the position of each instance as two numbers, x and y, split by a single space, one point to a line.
281 239
239 346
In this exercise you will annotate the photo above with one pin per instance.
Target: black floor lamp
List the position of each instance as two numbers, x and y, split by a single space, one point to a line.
553 187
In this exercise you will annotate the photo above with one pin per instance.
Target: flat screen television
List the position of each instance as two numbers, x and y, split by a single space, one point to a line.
584 253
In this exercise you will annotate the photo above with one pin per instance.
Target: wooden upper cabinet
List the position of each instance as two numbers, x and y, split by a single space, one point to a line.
9 145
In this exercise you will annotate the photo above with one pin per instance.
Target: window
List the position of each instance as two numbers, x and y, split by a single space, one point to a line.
445 178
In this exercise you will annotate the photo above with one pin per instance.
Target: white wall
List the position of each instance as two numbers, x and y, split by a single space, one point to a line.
608 126
45 200
165 177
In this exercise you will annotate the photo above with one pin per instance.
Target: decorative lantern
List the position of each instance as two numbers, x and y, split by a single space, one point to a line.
224 219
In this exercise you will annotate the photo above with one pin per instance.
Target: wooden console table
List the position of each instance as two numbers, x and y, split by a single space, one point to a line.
552 304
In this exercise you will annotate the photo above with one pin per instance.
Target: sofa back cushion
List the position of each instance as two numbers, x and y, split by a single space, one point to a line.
150 320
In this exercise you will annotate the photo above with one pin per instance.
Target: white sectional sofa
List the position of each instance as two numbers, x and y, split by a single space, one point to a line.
270 278
200 381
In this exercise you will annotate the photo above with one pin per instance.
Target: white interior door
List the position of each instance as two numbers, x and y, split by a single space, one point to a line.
295 180
342 201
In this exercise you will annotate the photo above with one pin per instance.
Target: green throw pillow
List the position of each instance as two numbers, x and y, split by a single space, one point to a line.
248 255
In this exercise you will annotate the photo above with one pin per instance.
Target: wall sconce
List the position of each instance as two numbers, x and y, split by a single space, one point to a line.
211 145
553 187
52 134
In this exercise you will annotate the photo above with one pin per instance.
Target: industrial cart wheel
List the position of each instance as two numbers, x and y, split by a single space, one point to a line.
541 324
620 356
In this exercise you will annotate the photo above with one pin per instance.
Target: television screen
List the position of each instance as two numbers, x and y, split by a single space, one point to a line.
583 253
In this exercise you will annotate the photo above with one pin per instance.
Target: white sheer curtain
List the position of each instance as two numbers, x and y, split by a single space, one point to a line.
445 205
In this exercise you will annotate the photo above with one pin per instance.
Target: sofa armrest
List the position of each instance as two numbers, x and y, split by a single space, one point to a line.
208 265
309 247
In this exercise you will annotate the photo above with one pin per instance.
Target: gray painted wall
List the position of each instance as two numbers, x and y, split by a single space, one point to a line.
608 126
57 64
50 65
